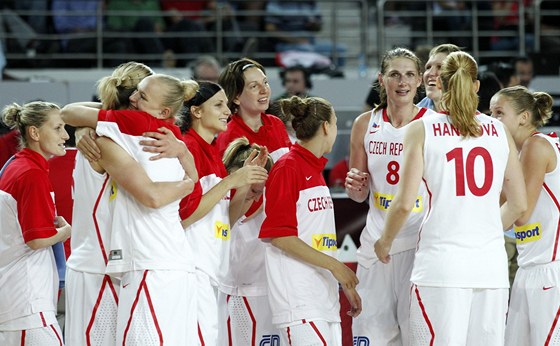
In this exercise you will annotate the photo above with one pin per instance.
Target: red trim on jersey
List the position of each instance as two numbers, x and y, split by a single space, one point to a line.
135 122
312 324
23 338
426 318
427 212
43 319
230 343
207 162
289 336
419 115
26 179
106 281
56 333
551 194
254 332
549 337
144 286
94 215
272 134
200 337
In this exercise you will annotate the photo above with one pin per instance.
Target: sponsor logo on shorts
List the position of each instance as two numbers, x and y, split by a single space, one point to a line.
270 340
527 233
221 230
383 201
325 241
114 190
361 341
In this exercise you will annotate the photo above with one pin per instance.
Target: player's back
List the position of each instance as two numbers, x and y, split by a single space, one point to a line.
461 240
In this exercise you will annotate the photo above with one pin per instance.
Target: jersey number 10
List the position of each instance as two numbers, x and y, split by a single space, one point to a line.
465 169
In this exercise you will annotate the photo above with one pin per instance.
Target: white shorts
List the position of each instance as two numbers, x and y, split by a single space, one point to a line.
207 312
385 293
43 336
312 333
91 308
247 321
534 310
157 307
457 316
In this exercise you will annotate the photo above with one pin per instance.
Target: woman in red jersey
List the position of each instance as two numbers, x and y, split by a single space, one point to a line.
28 274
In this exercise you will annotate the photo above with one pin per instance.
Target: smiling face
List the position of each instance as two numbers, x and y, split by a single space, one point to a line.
400 81
255 97
149 97
213 113
431 74
51 136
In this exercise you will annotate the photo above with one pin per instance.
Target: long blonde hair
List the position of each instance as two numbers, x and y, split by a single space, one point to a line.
460 99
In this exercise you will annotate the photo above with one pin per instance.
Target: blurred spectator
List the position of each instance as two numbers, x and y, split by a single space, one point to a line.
550 25
190 36
337 174
296 81
489 85
505 73
78 20
506 17
295 24
205 13
524 70
9 145
206 68
144 17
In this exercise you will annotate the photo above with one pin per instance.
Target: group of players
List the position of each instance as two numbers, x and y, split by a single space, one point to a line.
174 243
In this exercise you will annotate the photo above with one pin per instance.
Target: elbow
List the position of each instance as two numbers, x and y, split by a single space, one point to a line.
152 201
36 244
522 214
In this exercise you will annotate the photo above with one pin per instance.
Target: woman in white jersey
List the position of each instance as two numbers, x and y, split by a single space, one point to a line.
148 249
28 273
207 213
535 300
301 264
465 159
91 295
248 320
375 170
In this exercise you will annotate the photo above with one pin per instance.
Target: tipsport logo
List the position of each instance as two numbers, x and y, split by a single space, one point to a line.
360 341
527 233
270 340
383 201
325 241
221 230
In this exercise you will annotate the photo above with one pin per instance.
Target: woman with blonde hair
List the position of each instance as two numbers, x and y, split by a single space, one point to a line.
29 227
534 303
459 290
147 249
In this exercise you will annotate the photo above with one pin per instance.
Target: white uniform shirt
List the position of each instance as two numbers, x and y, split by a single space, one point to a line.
298 203
538 241
144 238
92 215
383 144
461 242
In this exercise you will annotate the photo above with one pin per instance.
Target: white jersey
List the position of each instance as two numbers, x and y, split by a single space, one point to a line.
92 218
209 238
144 238
461 242
298 203
538 241
247 273
383 145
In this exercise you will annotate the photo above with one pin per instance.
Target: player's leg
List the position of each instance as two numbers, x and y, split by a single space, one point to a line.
517 322
487 322
313 333
543 285
439 316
